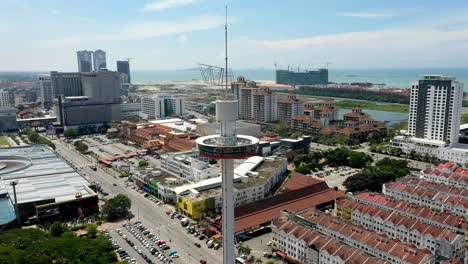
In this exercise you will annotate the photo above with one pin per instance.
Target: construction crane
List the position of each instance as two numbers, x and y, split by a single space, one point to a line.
215 75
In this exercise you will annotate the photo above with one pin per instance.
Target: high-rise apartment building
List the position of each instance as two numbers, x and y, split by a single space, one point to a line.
435 108
288 108
236 90
123 67
85 60
4 99
264 105
47 92
66 83
99 60
160 106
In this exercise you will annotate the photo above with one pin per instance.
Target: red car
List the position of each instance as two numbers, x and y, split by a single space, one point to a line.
201 237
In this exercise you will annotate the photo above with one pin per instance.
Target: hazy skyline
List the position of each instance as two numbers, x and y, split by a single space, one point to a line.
173 34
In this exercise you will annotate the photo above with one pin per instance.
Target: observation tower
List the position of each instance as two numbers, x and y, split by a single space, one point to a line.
227 146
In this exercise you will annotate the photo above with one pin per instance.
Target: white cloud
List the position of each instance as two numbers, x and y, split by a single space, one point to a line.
376 14
56 12
166 4
145 30
397 47
183 39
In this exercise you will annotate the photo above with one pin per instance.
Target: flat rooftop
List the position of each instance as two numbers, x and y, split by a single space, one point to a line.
41 175
264 172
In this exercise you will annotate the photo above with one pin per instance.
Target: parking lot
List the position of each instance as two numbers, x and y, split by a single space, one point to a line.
335 177
103 147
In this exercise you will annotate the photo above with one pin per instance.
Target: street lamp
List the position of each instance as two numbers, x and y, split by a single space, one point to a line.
14 183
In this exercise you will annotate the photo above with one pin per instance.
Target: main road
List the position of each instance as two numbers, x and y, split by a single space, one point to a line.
146 211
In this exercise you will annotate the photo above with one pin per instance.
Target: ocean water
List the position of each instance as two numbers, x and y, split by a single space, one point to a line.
400 78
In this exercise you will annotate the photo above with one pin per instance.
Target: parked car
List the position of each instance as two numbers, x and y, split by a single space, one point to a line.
197 245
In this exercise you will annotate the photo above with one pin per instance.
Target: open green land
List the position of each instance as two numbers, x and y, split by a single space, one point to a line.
373 106
4 142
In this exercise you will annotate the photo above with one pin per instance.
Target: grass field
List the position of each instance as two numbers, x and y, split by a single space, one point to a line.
4 142
373 106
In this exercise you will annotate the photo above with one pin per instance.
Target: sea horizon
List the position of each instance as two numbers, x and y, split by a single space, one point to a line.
391 77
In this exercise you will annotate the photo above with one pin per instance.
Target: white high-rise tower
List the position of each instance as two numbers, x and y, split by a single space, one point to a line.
435 108
227 146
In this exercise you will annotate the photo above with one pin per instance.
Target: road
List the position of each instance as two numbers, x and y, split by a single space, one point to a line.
146 211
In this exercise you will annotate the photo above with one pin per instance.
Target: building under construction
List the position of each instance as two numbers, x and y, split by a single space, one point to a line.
288 77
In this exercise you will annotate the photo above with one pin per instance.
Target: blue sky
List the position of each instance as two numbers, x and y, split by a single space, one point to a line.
172 34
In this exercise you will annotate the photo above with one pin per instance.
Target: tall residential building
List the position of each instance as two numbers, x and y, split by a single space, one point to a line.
85 60
264 105
4 99
47 93
435 108
102 86
66 83
123 67
160 106
99 60
236 89
289 108
302 78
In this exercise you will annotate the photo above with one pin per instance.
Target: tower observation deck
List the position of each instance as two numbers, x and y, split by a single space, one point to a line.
227 146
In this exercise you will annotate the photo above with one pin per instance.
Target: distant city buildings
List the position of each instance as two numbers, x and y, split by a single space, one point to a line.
302 78
99 104
47 92
89 61
4 99
85 61
123 67
66 83
99 60
435 109
160 106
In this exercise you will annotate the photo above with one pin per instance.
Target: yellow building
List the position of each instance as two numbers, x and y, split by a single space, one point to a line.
197 204
343 210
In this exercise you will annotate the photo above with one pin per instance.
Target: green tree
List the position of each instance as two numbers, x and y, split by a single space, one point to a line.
211 119
358 159
259 261
57 229
281 130
91 230
117 207
372 178
143 163
80 146
304 169
71 133
244 249
296 134
36 246
33 137
270 262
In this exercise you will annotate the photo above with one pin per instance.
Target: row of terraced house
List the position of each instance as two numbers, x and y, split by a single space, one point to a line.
415 220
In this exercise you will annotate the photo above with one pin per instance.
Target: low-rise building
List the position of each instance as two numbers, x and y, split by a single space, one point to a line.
296 242
442 242
413 211
253 180
448 173
377 245
47 188
130 111
188 165
426 196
